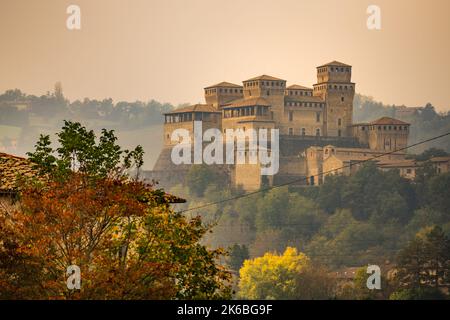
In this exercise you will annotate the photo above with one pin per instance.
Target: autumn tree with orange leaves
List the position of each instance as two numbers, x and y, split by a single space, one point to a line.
87 211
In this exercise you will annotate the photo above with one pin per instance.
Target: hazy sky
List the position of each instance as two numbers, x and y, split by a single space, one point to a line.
170 50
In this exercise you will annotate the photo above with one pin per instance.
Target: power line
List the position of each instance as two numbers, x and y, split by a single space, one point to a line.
317 175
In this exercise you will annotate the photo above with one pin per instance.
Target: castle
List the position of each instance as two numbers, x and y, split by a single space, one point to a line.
317 133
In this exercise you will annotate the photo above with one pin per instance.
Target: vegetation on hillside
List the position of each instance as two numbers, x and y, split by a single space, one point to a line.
122 233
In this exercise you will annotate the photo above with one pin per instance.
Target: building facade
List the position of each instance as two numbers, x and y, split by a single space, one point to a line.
310 121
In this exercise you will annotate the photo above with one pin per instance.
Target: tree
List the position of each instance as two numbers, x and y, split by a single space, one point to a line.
79 151
425 261
238 254
199 177
430 153
287 276
121 232
418 294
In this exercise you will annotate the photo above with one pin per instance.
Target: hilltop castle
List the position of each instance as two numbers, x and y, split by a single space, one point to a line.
317 133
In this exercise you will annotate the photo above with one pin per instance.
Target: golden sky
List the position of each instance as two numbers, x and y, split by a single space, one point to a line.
170 50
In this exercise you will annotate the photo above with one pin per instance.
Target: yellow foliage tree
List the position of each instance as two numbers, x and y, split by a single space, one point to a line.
272 276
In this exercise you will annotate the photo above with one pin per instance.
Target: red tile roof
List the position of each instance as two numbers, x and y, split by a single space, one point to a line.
390 121
335 63
224 85
194 108
264 77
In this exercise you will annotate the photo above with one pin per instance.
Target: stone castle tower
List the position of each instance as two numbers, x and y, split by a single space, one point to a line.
335 87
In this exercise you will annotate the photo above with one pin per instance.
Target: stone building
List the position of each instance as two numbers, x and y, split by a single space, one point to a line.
310 121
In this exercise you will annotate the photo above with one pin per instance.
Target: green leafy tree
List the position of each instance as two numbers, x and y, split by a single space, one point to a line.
238 254
79 151
425 261
200 176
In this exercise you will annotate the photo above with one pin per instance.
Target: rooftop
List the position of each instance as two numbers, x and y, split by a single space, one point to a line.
194 108
12 169
265 77
255 101
335 63
388 120
298 87
224 85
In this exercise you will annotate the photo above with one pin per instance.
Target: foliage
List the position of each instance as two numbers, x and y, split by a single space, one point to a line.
121 232
418 294
79 151
425 261
124 237
287 276
238 254
200 176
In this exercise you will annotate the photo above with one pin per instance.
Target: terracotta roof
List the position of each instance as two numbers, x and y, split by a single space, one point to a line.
387 120
298 87
399 163
256 101
194 108
12 169
335 63
224 85
440 159
265 77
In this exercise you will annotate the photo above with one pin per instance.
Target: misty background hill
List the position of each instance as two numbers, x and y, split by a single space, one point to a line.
24 117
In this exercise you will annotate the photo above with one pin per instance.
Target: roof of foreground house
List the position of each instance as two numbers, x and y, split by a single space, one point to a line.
12 169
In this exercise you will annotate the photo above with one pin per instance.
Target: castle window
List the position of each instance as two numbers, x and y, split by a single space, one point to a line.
318 132
291 131
317 116
303 132
268 92
342 99
291 115
339 133
339 121
379 127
